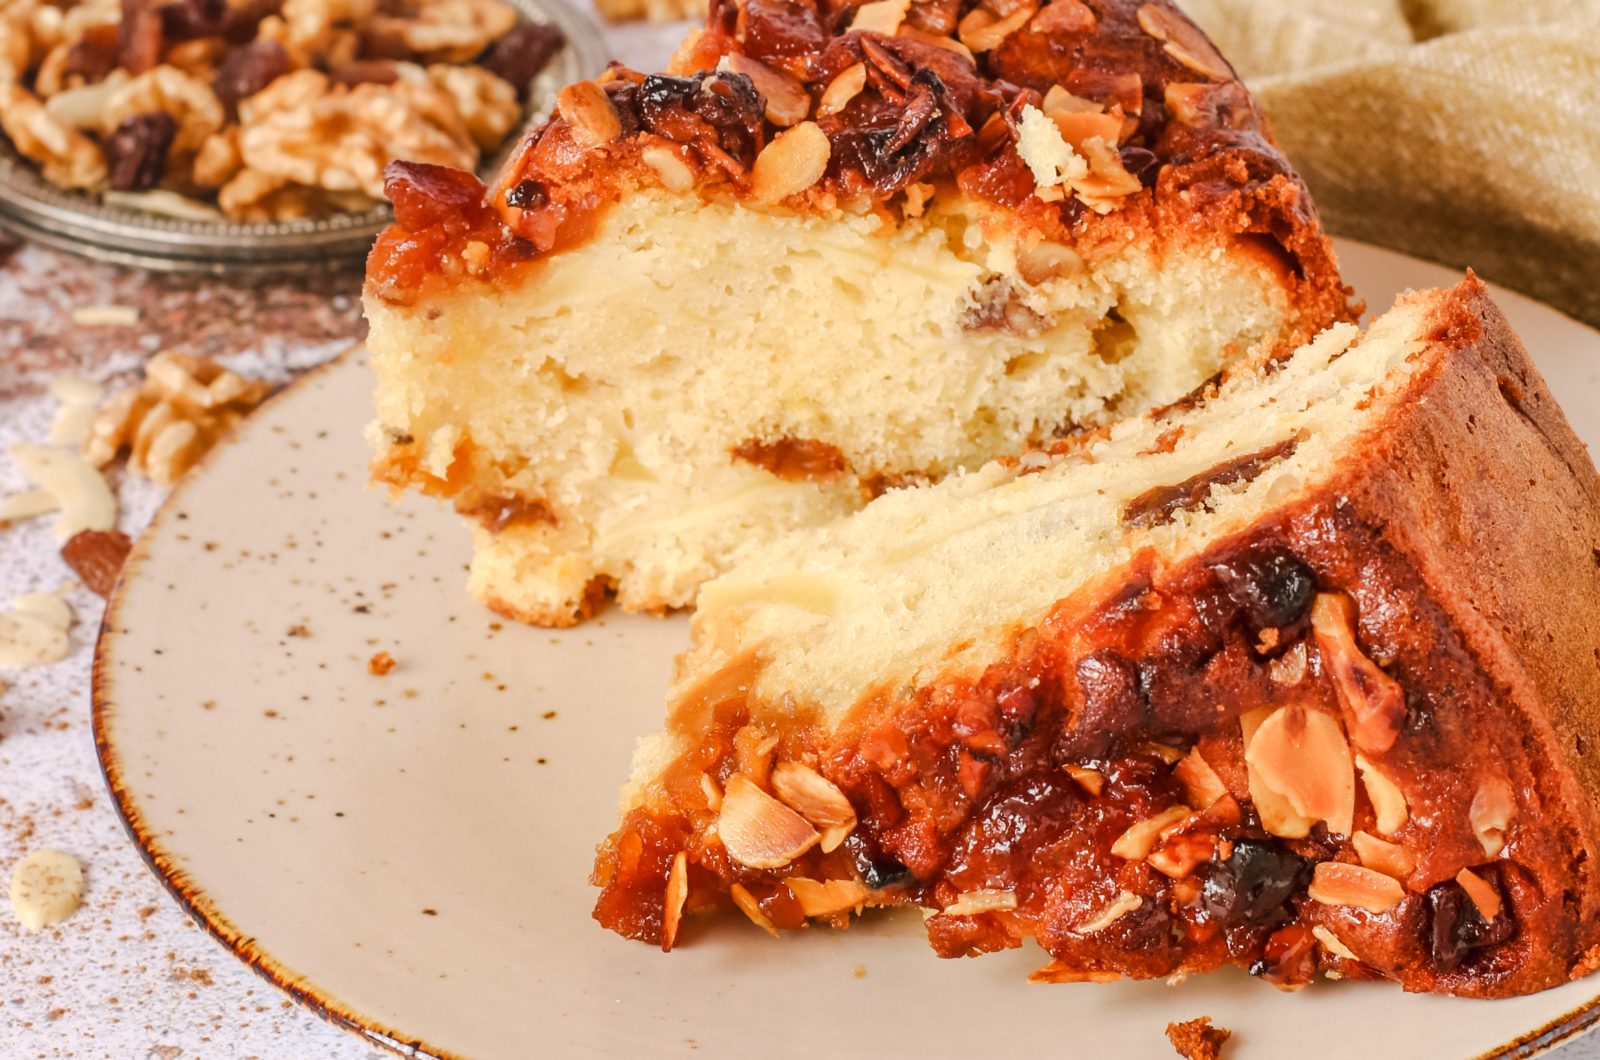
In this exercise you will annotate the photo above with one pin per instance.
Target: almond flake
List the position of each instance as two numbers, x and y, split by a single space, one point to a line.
1136 843
46 888
74 419
826 897
787 101
27 504
673 172
816 799
1183 41
1057 100
1373 702
677 892
1056 972
1391 859
1301 754
78 487
880 16
759 831
981 31
845 86
1388 801
713 793
106 316
1090 780
589 114
1482 892
1339 883
1121 906
1200 782
34 631
1331 943
751 908
1277 815
1166 752
791 163
1492 809
985 901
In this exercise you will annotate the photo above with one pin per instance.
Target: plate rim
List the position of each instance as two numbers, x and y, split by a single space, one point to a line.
307 993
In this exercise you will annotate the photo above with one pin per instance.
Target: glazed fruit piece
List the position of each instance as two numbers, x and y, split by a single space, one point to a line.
1297 674
835 249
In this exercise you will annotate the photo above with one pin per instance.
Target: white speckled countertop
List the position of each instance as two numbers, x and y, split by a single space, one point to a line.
129 976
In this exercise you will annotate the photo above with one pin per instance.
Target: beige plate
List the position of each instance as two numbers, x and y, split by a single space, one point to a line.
409 854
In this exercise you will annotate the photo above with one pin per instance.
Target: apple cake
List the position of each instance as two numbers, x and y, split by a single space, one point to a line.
835 249
1297 673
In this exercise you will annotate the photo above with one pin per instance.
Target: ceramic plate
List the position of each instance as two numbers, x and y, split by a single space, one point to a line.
409 854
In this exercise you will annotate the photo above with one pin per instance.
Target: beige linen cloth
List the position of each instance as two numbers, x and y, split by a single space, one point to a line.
1466 131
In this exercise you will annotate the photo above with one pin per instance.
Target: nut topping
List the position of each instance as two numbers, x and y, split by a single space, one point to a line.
673 172
713 794
1339 883
880 16
1391 859
588 111
1200 782
1492 809
1277 815
791 163
1090 780
816 799
1484 895
677 891
1373 702
1136 843
787 100
1183 41
1388 801
1122 905
80 491
759 831
1301 754
1331 943
986 901
981 31
842 89
826 897
751 908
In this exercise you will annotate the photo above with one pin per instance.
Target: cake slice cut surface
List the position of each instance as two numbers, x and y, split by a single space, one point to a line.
1271 677
834 250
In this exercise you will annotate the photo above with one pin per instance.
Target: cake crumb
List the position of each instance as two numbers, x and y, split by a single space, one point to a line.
859 971
1197 1039
380 664
46 887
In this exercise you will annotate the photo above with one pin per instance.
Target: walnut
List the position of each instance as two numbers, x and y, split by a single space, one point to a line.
289 92
183 407
52 76
218 160
16 41
68 158
487 104
198 58
167 89
448 31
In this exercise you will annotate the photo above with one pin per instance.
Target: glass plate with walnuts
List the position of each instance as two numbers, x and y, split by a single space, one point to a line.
240 134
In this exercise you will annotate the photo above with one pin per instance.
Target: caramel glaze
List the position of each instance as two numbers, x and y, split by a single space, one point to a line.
964 786
926 116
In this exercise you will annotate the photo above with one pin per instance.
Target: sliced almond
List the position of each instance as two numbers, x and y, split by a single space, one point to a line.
986 901
844 87
1492 809
1067 17
880 16
1057 100
78 487
589 113
1388 801
712 793
1301 754
27 504
1183 41
1277 815
1200 782
1332 944
1136 843
1123 904
1078 126
1090 780
758 830
1056 972
826 897
1166 752
1338 883
1373 702
787 101
1391 859
673 172
677 892
34 631
791 163
1484 895
816 799
982 31
752 909
78 399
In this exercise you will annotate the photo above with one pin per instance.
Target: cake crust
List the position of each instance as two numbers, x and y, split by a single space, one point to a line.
1407 594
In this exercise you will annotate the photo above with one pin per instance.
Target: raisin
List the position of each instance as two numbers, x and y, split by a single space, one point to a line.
94 55
1456 928
777 27
1111 699
1274 587
877 869
139 36
136 150
527 195
193 19
248 69
1142 163
724 106
1252 885
520 55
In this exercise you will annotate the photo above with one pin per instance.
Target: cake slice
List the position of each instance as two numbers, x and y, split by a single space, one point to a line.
836 249
1300 672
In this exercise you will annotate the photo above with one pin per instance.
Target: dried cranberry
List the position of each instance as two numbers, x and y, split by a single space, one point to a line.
1253 884
94 55
520 55
1274 588
424 195
1142 163
248 69
1456 928
136 150
681 109
778 27
192 19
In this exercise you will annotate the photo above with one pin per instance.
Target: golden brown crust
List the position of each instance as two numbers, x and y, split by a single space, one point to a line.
1197 1039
